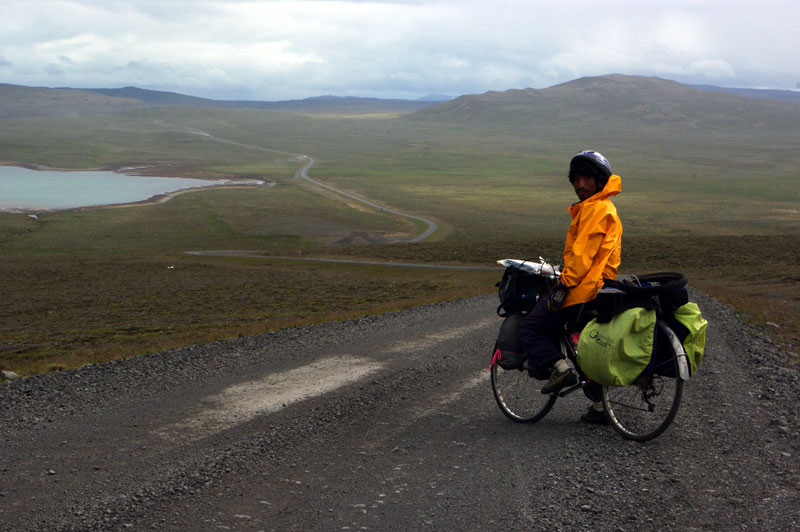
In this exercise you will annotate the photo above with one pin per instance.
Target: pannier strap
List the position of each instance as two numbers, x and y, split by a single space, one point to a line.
650 284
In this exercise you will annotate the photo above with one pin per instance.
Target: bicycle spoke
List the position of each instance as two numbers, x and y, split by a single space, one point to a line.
643 410
519 395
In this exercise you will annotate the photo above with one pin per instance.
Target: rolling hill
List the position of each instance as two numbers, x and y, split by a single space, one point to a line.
17 101
318 104
651 101
616 103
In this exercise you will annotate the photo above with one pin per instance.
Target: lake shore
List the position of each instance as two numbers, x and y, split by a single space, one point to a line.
161 171
163 198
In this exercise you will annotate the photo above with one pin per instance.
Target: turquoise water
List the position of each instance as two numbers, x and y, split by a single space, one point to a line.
28 190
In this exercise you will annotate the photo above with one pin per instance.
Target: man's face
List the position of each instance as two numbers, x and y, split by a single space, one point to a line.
584 186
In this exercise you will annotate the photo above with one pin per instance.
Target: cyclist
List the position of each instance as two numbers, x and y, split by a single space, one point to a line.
591 254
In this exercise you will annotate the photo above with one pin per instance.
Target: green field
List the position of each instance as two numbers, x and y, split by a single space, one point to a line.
709 187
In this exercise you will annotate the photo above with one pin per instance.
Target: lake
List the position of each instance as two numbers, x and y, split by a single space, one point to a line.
22 189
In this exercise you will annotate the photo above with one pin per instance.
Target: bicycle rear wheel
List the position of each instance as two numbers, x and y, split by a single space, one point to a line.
644 409
519 395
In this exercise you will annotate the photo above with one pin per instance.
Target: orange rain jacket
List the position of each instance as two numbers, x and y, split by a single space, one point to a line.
594 244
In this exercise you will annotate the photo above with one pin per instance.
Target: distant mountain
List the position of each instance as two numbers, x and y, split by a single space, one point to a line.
764 94
615 104
20 101
318 104
151 97
345 104
603 104
434 98
313 104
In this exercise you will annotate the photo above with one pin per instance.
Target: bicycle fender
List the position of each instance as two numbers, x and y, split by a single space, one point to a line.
683 363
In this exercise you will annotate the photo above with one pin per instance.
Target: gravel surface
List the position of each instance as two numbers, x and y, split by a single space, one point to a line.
414 442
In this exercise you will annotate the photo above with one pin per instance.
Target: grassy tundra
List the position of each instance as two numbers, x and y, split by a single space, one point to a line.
709 188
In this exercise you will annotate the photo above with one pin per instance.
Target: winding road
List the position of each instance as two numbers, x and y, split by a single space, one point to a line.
432 226
302 173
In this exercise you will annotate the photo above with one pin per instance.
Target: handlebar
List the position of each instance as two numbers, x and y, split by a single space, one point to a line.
542 268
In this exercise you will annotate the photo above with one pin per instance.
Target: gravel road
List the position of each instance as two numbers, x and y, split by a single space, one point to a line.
388 423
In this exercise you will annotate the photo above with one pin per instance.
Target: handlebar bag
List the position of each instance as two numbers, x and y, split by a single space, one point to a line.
519 290
616 352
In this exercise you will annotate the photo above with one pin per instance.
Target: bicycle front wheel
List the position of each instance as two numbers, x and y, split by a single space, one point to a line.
644 409
519 395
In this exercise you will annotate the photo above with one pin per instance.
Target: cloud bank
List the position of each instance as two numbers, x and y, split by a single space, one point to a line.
273 50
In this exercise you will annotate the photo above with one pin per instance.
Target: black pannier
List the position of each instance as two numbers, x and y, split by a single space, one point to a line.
508 350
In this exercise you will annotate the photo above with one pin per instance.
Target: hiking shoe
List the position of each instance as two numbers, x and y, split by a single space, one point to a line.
559 380
540 374
594 417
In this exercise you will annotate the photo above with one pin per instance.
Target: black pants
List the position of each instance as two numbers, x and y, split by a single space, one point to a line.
539 333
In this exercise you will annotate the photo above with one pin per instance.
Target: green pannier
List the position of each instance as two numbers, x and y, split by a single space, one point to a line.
616 352
694 341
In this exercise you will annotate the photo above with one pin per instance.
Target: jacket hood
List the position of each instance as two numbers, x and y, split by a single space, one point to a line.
612 188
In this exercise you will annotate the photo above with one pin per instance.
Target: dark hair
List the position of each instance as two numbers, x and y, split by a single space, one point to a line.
586 169
590 163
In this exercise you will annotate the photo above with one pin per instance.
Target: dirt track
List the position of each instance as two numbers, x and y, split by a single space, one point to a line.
388 423
302 173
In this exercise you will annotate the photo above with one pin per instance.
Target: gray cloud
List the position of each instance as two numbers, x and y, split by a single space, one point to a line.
286 49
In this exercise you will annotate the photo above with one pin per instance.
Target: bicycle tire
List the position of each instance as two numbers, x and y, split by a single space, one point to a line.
519 395
644 409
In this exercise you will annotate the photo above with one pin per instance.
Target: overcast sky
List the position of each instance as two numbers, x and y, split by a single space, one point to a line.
278 50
